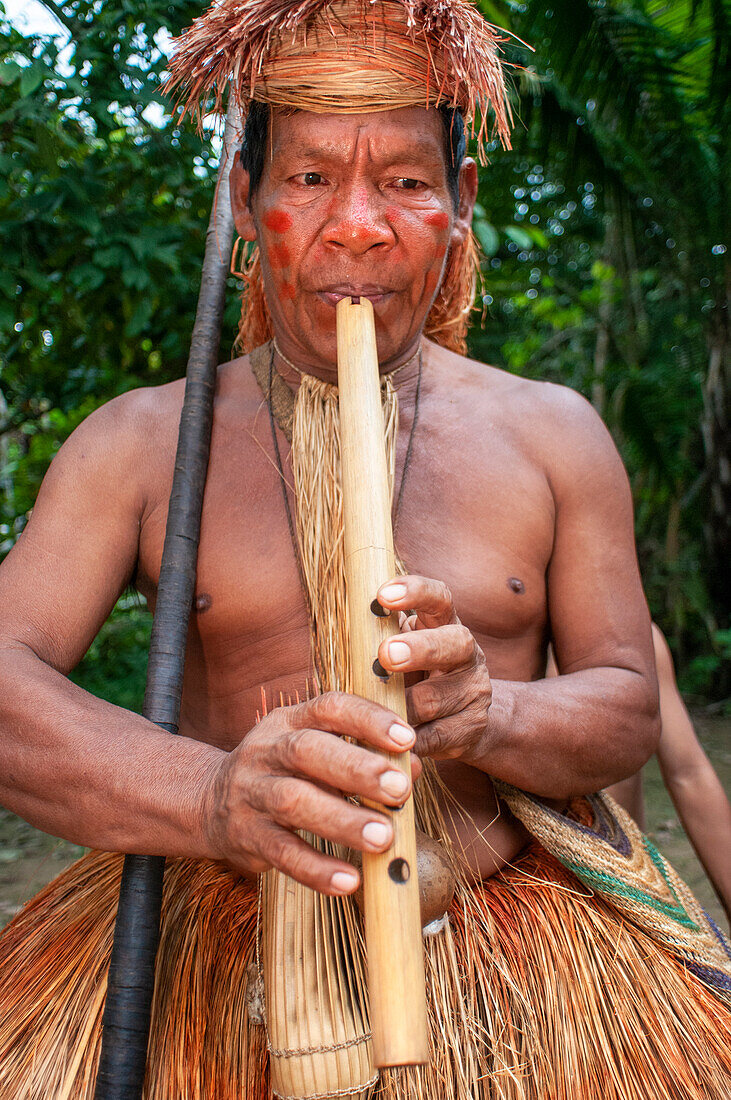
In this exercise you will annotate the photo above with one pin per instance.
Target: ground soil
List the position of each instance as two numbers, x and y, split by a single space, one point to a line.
29 859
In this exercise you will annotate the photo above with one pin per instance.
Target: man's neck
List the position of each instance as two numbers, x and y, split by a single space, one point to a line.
292 366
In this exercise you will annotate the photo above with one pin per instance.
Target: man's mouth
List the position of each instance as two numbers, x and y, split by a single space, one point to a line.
333 294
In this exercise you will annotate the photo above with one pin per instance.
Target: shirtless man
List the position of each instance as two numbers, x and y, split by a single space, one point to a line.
515 500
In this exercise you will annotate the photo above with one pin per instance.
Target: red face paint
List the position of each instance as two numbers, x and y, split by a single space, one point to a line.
287 292
430 282
392 213
438 219
279 255
439 251
277 220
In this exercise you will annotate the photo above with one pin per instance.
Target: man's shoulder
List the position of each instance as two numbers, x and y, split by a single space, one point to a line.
526 402
144 422
122 442
553 427
145 407
135 412
153 412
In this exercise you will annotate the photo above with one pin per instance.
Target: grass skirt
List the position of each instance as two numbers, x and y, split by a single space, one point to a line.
562 998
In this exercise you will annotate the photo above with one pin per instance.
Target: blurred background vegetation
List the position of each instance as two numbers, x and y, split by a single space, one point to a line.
606 264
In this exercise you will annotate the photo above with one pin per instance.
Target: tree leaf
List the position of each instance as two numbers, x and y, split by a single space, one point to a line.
31 78
9 72
487 235
519 236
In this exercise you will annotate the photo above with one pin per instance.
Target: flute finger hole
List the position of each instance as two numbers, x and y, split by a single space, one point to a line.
380 671
378 610
399 870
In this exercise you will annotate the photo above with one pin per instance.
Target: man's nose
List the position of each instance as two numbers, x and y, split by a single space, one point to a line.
358 220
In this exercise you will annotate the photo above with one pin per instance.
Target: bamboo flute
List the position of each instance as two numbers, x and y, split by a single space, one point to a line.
391 892
127 1011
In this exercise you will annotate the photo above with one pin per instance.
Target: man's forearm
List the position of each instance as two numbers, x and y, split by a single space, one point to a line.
571 734
80 768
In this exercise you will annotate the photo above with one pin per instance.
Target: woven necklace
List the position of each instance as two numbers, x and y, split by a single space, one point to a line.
391 374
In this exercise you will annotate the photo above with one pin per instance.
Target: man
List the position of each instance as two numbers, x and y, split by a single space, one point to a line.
99 523
515 514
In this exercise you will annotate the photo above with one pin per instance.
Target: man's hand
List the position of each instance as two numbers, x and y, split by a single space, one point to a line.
292 772
449 708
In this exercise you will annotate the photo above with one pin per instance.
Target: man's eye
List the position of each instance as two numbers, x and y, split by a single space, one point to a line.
312 179
404 183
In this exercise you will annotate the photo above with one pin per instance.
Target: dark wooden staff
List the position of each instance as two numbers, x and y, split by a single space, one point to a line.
126 1023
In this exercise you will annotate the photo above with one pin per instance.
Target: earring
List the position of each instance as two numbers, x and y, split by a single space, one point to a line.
241 272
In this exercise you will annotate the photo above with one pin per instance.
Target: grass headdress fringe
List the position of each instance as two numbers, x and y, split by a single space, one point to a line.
255 325
562 997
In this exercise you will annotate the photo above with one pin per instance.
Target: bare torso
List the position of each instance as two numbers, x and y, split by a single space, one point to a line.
477 512
516 510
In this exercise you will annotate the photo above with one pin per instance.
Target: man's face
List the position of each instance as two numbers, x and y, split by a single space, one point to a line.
352 205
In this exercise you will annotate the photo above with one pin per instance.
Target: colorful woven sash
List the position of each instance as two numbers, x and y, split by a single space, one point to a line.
603 846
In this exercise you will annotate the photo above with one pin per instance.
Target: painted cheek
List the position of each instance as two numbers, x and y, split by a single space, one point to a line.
279 255
279 221
438 219
440 251
286 292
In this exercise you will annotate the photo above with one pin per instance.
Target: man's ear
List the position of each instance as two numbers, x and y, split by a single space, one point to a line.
238 180
467 198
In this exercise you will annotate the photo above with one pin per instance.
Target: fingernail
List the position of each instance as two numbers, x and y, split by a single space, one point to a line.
344 881
402 735
392 592
375 834
394 783
398 653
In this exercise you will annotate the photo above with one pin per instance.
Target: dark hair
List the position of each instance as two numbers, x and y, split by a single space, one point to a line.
256 131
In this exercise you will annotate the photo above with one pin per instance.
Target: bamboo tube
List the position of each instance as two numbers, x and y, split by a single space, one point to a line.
132 968
316 994
391 890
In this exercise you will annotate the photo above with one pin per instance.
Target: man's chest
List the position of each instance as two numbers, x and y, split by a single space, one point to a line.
480 518
472 513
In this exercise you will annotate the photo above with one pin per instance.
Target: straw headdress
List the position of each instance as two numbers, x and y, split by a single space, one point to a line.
333 56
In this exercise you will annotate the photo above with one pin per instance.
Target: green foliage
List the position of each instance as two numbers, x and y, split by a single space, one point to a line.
104 202
115 665
702 668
